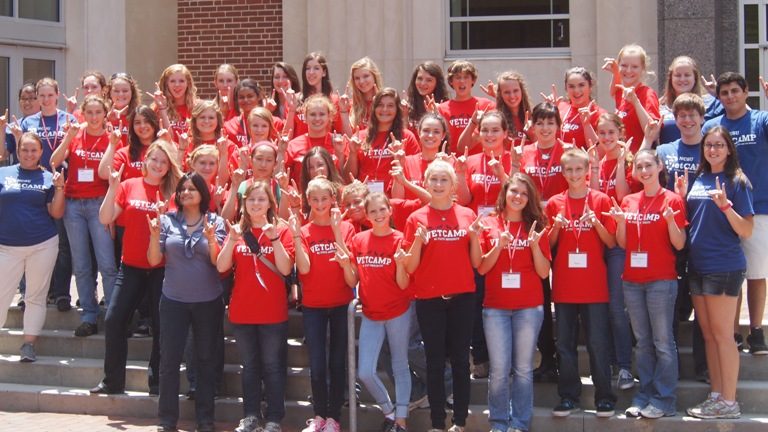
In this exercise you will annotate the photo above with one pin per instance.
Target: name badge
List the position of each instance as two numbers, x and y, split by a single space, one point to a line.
510 280
638 260
485 210
375 186
577 260
85 175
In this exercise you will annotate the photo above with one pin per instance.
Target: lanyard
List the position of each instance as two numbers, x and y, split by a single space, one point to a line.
90 150
642 211
576 222
486 181
378 160
46 129
511 253
602 177
544 181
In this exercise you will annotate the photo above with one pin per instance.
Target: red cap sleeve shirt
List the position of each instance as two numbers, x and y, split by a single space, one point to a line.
375 163
324 285
258 294
484 186
580 285
607 179
132 168
544 168
299 146
85 153
138 199
380 294
647 233
530 293
458 114
445 268
626 111
572 130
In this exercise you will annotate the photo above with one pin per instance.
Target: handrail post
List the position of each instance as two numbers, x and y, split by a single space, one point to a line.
352 364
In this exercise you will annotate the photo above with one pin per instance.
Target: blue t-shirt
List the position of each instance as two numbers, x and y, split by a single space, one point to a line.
714 246
24 198
189 275
50 129
669 130
750 134
676 157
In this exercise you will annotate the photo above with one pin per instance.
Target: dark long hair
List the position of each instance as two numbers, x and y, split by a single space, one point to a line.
532 211
397 123
732 167
202 187
325 84
134 143
415 99
247 83
292 76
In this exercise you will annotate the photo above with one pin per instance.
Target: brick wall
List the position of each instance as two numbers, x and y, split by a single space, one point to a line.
245 33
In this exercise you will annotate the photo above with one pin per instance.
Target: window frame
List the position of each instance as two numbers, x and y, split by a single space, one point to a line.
17 54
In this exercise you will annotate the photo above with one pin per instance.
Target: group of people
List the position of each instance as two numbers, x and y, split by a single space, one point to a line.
456 220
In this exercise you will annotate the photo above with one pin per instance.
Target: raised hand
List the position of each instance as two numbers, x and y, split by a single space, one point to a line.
719 194
154 226
235 231
533 235
586 113
72 100
340 256
270 103
495 165
711 84
652 130
116 134
588 215
292 194
345 101
477 116
669 214
160 206
238 176
552 98
339 144
404 105
282 143
477 227
616 212
4 120
610 65
208 230
594 158
490 90
115 176
15 128
461 162
183 141
164 134
160 100
422 234
337 216
628 93
430 104
560 221
681 183
58 180
226 94
504 239
401 256
294 224
270 229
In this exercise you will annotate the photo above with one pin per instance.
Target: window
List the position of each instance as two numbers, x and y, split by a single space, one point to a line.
19 64
508 26
42 10
753 41
5 99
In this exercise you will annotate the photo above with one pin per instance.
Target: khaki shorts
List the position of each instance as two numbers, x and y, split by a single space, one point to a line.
756 249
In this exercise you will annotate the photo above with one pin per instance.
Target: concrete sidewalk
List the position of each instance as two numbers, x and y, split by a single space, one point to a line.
49 422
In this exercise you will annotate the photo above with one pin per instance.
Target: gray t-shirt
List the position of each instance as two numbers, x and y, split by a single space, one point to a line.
189 275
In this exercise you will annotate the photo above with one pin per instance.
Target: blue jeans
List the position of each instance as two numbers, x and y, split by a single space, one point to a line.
621 333
372 335
511 336
327 398
81 219
175 321
594 318
263 353
62 271
651 308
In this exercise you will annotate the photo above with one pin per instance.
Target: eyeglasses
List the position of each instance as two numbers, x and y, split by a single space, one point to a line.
716 146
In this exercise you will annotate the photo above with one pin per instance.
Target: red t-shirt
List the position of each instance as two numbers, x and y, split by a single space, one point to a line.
124 131
484 186
252 302
458 114
299 146
85 153
517 257
544 168
413 169
632 129
588 284
571 129
300 122
132 168
376 162
401 209
236 129
231 153
138 199
445 267
380 294
651 235
607 179
324 285
180 124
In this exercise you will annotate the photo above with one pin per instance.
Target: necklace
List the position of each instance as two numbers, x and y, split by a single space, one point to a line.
196 222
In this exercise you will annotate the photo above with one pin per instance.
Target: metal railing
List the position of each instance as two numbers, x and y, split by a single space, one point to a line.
352 364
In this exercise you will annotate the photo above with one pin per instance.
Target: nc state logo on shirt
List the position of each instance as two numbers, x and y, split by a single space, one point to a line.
517 244
567 127
645 218
322 248
445 233
374 260
460 120
90 155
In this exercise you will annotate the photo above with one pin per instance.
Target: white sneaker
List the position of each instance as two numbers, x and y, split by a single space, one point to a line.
315 425
331 425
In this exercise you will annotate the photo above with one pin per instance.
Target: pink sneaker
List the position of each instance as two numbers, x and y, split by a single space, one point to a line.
331 425
316 424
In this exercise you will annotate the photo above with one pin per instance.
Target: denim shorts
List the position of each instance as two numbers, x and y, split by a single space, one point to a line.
728 283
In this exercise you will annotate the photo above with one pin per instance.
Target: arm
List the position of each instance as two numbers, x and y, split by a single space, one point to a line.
57 206
540 262
62 151
467 139
224 261
109 156
464 196
489 260
154 254
676 235
209 231
622 187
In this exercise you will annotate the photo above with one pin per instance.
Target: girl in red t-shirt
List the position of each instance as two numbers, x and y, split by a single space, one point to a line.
316 80
426 89
379 261
258 308
651 226
225 79
433 131
371 156
143 125
134 201
512 100
122 96
364 81
175 96
578 110
517 258
444 249
636 103
83 147
247 96
92 83
327 278
285 85
541 160
206 127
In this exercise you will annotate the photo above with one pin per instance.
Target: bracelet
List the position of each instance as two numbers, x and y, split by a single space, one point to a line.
59 187
275 239
727 206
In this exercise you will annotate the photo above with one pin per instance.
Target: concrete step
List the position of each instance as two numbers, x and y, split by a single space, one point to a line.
85 373
34 398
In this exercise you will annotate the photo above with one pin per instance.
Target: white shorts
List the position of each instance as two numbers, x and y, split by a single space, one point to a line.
756 249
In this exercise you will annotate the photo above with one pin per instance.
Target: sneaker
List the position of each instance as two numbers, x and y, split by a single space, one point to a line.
63 305
625 381
692 411
565 408
756 342
718 409
272 427
142 330
480 370
605 408
387 424
397 428
633 411
86 329
739 339
248 424
331 425
422 402
456 428
316 424
28 353
651 412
